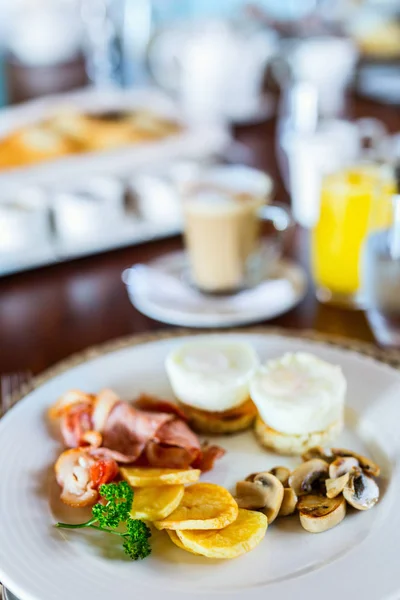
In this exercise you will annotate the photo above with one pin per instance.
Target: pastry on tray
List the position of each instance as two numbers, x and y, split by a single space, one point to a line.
70 131
32 145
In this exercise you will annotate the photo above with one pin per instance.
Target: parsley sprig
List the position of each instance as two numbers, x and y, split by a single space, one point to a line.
107 517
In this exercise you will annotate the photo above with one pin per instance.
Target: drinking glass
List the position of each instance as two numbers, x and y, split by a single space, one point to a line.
348 196
381 276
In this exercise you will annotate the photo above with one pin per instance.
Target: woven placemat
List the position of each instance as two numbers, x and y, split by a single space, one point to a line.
390 357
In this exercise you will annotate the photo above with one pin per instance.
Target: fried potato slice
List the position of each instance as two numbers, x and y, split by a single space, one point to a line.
152 477
203 506
175 539
154 503
241 536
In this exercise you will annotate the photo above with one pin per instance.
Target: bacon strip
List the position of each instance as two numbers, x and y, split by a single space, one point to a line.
153 404
209 454
152 432
174 446
75 423
128 430
80 475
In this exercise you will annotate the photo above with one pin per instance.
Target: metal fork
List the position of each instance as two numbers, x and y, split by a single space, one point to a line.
13 386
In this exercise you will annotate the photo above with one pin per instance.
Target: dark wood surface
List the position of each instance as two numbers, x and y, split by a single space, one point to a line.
47 314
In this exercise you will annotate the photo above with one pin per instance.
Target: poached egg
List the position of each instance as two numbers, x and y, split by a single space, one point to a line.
299 393
211 375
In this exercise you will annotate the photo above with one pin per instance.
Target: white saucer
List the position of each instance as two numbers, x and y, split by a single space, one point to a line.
160 291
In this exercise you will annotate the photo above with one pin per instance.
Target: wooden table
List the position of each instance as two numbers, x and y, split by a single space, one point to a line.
47 314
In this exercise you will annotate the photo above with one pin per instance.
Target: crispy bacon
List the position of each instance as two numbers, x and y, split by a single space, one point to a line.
67 401
154 404
128 430
172 457
103 430
103 471
80 474
206 459
174 446
74 424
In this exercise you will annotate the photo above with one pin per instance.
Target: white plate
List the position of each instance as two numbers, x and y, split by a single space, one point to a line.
357 559
161 290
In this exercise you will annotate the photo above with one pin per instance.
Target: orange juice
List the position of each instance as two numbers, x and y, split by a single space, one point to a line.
347 199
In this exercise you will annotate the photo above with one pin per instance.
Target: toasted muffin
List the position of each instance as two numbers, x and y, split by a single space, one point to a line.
210 381
229 421
284 443
300 402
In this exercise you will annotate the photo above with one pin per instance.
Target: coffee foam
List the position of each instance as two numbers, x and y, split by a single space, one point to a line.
211 200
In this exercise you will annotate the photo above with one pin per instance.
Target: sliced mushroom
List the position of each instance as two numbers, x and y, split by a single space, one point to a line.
281 473
309 476
335 486
289 503
318 452
251 495
361 491
274 493
368 466
251 477
318 514
342 465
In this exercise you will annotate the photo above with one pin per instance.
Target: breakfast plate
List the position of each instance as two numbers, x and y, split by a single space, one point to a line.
358 558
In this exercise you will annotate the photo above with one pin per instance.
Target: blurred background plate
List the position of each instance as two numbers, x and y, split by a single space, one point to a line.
162 291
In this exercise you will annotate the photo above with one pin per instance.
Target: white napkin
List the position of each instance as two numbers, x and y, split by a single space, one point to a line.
165 289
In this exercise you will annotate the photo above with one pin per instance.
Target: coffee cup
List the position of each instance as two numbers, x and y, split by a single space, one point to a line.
224 208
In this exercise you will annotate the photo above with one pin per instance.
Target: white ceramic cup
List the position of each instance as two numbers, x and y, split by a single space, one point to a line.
93 206
24 220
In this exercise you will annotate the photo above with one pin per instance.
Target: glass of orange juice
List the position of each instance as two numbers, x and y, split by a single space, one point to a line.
349 197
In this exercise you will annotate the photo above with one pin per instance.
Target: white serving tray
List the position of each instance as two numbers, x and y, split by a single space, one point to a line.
195 142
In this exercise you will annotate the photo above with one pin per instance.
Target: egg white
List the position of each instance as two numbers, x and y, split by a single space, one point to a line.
299 393
211 375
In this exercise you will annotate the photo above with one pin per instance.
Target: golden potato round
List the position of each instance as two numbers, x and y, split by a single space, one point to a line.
152 477
154 503
175 539
203 506
241 536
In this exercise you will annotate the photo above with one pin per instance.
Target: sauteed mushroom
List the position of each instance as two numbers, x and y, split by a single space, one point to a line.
318 452
289 503
281 473
318 514
275 494
335 486
264 493
368 466
361 491
342 465
250 495
307 478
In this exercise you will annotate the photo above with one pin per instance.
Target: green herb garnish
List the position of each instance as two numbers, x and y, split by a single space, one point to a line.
107 517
